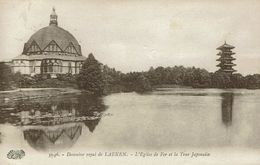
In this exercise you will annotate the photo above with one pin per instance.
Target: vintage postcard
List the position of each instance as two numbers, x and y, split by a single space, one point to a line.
174 82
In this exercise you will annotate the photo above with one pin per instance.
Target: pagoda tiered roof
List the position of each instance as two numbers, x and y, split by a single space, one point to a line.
229 70
225 58
225 46
219 54
228 64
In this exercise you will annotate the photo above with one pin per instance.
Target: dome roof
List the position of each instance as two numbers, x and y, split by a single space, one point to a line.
52 34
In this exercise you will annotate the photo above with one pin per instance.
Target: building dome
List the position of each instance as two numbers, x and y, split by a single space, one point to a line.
52 39
50 51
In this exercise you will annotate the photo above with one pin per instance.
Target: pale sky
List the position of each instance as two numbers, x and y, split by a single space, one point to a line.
132 35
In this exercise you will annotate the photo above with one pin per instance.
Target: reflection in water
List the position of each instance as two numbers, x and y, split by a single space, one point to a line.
55 123
54 137
227 107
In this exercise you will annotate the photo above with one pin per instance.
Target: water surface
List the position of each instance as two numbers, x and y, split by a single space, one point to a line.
161 120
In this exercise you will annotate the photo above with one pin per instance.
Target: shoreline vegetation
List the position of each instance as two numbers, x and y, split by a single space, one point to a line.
97 79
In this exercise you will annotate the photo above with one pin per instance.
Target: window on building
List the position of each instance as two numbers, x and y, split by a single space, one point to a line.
69 68
34 47
56 67
71 49
52 47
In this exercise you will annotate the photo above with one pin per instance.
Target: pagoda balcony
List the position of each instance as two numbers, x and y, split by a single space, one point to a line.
228 70
228 52
226 56
229 64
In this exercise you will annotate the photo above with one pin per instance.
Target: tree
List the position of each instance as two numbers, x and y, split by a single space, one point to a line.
5 76
221 80
90 77
238 81
112 79
135 81
253 81
154 76
142 84
201 78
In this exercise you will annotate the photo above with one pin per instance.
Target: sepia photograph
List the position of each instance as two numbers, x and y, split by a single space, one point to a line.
171 82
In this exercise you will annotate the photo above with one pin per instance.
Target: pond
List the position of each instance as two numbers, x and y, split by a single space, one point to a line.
165 119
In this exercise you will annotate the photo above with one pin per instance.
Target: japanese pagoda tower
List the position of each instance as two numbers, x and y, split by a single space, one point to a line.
225 59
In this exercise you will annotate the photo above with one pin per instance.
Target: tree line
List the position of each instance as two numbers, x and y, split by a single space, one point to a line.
110 80
100 79
200 78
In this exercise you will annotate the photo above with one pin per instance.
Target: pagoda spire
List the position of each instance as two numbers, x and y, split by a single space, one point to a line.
53 18
225 59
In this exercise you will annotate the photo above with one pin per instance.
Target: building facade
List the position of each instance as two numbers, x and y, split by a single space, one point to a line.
51 50
226 58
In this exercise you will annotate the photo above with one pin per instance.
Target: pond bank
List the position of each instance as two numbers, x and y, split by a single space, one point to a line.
34 93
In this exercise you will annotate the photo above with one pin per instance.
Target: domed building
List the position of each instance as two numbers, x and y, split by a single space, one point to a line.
51 50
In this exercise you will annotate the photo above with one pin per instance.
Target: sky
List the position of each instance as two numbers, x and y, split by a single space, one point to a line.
133 35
